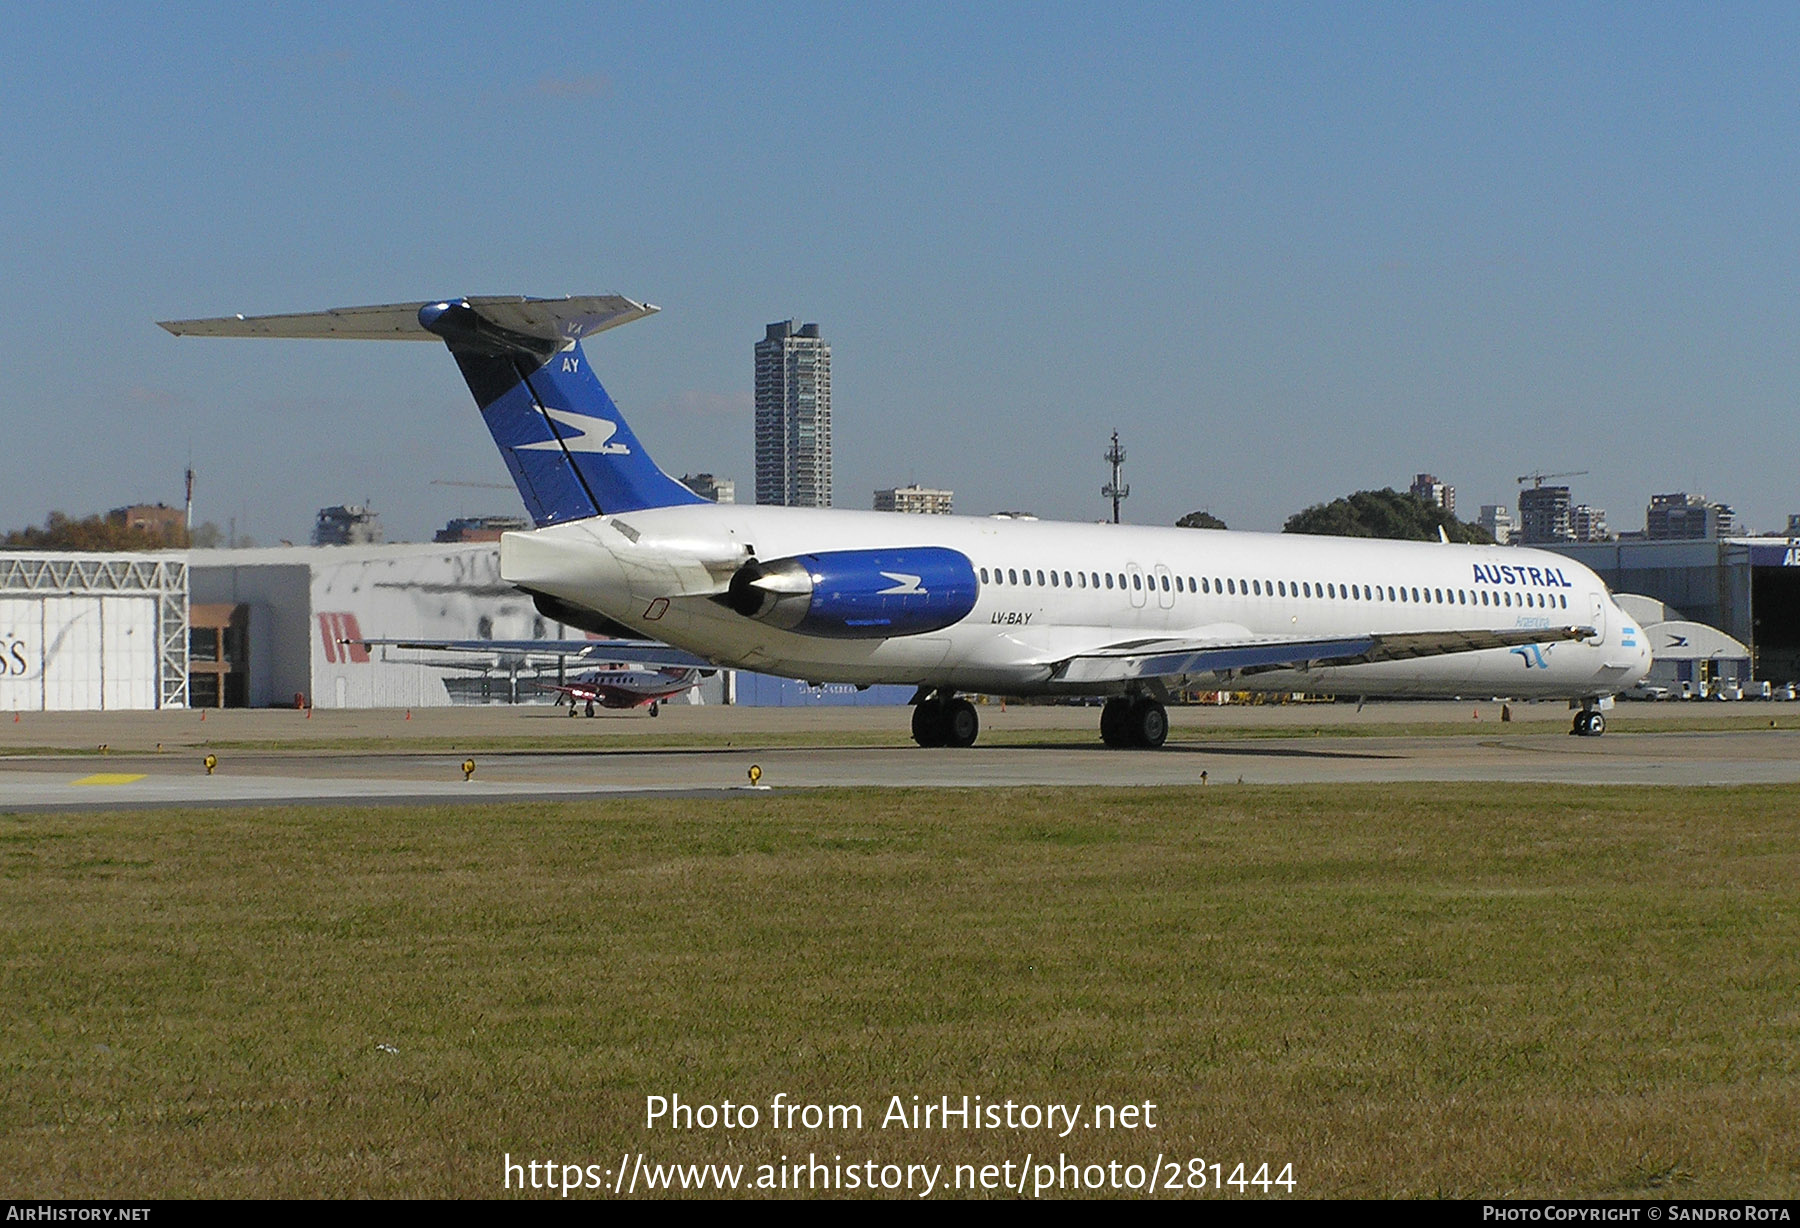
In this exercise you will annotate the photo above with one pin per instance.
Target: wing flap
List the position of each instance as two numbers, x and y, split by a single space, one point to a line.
630 652
1142 659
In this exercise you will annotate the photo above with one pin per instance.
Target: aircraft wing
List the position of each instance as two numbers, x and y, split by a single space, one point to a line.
631 652
1169 658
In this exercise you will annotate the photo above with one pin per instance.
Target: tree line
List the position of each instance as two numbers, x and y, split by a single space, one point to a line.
61 531
1388 513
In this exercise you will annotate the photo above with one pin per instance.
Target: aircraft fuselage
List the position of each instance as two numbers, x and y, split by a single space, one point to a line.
1047 592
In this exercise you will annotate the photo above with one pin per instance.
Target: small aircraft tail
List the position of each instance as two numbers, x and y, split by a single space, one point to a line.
569 450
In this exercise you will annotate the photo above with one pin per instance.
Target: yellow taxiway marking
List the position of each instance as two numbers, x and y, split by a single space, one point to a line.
110 778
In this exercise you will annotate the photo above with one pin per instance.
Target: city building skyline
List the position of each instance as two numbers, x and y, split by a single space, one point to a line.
915 499
793 416
347 524
710 487
1498 520
479 528
1682 516
1588 524
1440 494
1545 515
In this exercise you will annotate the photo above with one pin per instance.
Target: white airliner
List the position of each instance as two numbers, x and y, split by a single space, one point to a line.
954 604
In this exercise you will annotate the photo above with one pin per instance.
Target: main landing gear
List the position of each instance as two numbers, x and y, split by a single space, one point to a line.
944 720
1589 723
1134 720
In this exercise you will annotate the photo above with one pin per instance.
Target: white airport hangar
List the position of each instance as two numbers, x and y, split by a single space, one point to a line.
93 632
1746 587
275 627
283 617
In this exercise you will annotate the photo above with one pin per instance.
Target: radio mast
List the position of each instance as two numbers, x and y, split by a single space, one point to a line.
1115 489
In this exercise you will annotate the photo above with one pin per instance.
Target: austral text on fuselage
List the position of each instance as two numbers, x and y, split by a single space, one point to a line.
1542 577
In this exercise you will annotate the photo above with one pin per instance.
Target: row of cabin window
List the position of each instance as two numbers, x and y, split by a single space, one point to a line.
1274 588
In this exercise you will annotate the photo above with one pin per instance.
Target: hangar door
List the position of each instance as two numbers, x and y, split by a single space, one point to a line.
1775 610
78 653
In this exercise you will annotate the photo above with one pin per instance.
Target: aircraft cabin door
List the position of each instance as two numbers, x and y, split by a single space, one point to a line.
1165 587
1134 576
1597 615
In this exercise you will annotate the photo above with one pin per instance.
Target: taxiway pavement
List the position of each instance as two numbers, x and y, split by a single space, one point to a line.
54 761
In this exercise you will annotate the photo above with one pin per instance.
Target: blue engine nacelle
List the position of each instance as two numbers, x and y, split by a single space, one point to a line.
858 594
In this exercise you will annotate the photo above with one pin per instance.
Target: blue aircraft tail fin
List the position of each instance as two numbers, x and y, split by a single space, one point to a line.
570 452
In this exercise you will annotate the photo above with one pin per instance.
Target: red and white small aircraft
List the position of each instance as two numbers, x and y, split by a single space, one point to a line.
621 685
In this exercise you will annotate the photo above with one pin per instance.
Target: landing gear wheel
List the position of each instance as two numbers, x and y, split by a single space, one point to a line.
929 726
960 723
590 707
1134 721
1113 720
1589 723
1149 724
654 707
571 707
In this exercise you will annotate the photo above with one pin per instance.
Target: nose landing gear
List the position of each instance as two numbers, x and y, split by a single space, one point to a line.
1589 723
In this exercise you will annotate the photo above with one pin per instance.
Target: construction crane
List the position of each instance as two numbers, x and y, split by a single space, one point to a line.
1538 479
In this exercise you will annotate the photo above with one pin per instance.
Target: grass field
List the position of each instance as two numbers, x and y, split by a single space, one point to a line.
1400 990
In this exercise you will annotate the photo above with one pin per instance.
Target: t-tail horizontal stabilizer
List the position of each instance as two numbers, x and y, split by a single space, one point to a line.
570 452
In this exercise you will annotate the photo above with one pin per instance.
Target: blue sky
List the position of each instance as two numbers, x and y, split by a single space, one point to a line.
1288 251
